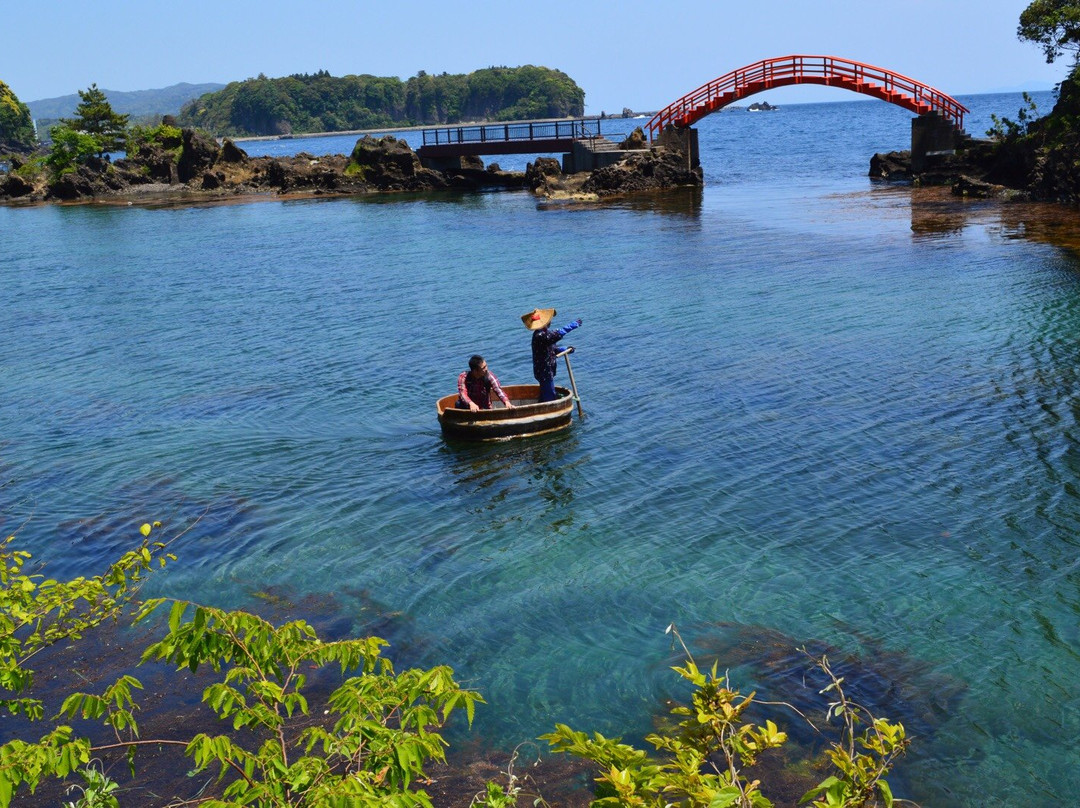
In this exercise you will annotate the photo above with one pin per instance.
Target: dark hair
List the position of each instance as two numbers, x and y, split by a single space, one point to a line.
475 361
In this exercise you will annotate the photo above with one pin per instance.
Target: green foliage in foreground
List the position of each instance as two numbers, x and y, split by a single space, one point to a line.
382 732
16 123
369 742
380 728
705 759
38 612
323 103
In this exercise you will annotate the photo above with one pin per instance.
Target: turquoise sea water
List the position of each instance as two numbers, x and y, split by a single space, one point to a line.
820 410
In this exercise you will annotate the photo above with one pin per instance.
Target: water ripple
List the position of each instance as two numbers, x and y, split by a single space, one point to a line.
821 409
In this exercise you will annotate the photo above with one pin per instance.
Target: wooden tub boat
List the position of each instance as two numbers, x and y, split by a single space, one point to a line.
525 419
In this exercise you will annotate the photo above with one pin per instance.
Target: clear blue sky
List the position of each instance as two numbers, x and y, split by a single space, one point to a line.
634 54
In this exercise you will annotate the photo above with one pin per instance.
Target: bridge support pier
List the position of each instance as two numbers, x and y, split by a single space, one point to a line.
684 140
451 164
931 133
589 155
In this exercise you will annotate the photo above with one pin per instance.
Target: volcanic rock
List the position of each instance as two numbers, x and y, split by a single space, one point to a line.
891 166
389 164
231 153
657 169
635 140
197 155
14 186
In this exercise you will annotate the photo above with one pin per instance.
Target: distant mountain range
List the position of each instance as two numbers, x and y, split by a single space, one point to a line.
166 101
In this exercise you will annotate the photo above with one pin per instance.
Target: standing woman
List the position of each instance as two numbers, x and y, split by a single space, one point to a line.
543 348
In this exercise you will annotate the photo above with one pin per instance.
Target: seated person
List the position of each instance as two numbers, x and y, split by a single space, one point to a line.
475 386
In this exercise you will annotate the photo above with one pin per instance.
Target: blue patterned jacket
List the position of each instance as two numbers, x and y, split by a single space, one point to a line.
543 349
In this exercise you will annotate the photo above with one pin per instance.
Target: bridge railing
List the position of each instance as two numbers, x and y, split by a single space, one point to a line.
505 132
782 71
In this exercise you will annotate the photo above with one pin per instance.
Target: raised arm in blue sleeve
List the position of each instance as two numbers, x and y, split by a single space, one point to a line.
566 329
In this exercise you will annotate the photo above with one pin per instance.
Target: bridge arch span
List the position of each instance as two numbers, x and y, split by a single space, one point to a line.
831 71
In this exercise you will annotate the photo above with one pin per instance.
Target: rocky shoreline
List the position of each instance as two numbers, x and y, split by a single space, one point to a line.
974 170
1030 160
197 169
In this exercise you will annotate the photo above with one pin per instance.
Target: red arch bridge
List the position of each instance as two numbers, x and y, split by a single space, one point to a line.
938 127
830 71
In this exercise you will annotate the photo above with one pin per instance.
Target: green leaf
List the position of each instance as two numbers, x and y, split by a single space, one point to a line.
176 614
725 797
6 788
824 785
886 793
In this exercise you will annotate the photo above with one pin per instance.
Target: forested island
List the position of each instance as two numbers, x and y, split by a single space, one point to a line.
320 102
179 156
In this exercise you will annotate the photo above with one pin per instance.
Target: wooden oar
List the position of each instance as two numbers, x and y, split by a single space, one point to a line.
565 354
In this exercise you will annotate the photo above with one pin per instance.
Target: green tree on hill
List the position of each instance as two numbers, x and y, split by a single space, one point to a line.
16 124
325 103
1038 154
523 92
1053 24
96 117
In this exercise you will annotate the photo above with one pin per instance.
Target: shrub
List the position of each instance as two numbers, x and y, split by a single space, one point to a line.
70 149
706 757
380 729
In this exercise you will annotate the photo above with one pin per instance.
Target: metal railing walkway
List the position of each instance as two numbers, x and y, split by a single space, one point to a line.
524 137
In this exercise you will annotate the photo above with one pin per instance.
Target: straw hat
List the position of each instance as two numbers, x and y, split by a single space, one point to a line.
538 318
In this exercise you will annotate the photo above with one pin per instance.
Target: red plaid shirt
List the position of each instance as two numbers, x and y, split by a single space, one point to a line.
478 391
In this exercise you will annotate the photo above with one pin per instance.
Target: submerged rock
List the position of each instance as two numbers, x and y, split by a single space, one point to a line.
890 684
